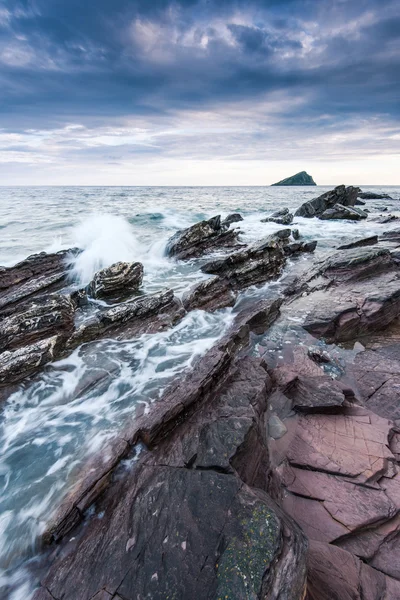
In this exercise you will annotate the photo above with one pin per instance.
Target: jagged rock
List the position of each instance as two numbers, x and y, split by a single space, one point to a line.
295 234
163 520
301 178
17 364
232 218
314 394
120 279
332 471
267 254
296 247
388 219
212 294
44 317
254 265
368 241
374 196
202 237
37 274
338 211
334 574
148 313
392 235
340 195
281 217
359 202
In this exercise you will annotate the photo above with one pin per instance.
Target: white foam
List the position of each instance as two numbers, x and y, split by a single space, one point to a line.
105 239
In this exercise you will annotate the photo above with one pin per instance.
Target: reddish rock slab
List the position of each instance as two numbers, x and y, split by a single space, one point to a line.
346 444
334 574
354 506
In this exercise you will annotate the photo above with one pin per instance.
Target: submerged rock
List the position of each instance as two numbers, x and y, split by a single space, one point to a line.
374 196
301 178
200 238
339 195
118 280
232 218
368 241
281 217
338 211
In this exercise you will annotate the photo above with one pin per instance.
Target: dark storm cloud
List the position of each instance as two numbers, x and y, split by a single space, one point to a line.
63 61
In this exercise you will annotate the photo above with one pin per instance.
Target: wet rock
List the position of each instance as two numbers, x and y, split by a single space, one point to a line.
276 428
318 355
340 195
282 217
17 364
44 317
295 234
143 314
374 196
359 202
338 211
37 274
296 247
301 178
118 280
202 237
392 235
232 218
368 241
334 574
212 294
387 219
169 542
202 482
314 394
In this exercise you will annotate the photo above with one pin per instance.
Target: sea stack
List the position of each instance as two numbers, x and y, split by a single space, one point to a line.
301 178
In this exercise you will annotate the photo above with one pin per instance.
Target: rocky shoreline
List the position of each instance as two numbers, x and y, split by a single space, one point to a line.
271 468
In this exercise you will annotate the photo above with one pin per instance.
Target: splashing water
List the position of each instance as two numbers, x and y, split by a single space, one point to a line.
104 240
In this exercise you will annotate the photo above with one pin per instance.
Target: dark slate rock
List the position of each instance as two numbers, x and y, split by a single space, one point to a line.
201 238
118 280
338 211
301 178
232 218
281 217
368 241
339 195
374 196
44 317
38 274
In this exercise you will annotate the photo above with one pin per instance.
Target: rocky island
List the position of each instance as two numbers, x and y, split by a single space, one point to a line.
301 178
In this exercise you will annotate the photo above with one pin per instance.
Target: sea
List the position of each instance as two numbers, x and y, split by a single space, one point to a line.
51 425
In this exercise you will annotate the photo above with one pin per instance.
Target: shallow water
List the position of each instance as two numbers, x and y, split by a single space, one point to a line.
50 426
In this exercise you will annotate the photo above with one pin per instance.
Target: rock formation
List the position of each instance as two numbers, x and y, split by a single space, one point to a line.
301 178
202 238
269 470
281 217
374 196
120 279
208 528
338 211
317 206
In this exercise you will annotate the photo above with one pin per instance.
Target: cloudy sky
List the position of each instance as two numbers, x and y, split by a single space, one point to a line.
199 92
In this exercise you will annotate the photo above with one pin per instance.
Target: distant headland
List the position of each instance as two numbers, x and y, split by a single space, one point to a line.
301 178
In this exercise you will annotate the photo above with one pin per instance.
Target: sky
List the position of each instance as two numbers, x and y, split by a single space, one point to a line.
199 92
